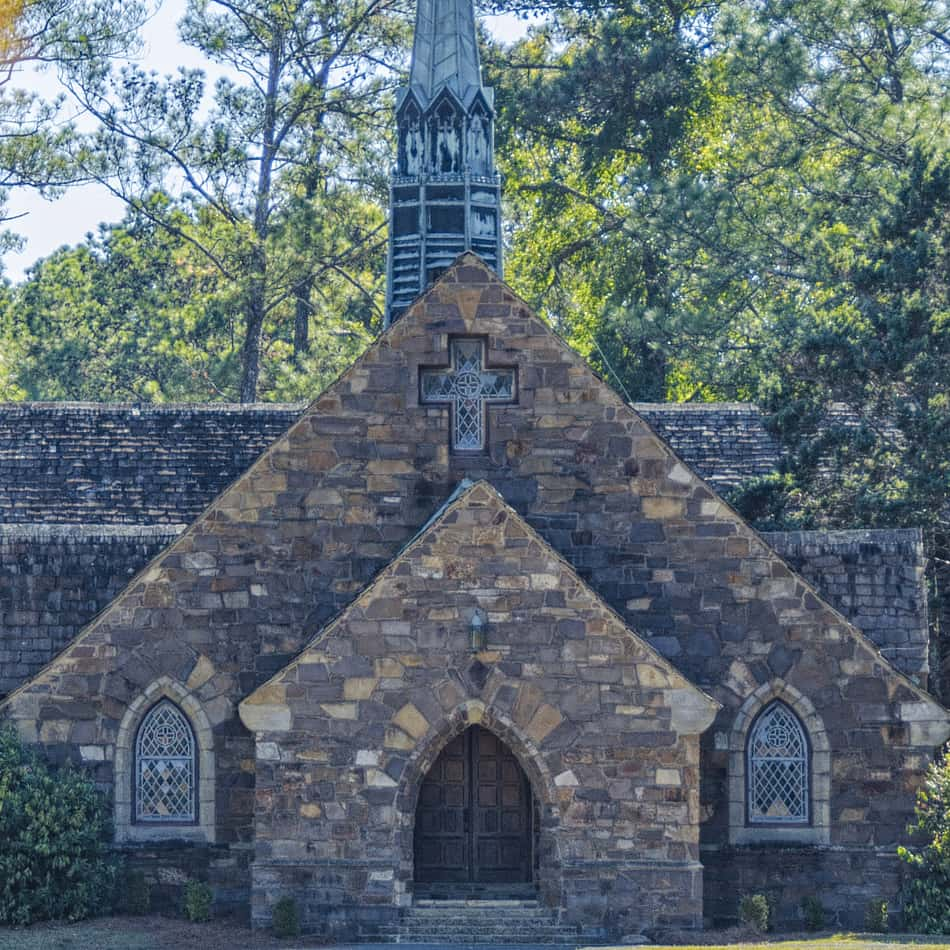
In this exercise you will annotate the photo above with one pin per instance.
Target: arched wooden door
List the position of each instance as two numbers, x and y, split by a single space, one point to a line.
474 817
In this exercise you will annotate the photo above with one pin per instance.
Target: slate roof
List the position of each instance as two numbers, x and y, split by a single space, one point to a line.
726 443
87 463
89 493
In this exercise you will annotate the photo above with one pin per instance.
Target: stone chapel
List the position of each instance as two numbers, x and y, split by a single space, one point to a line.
466 627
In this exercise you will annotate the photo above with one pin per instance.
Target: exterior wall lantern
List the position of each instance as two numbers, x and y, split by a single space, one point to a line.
476 629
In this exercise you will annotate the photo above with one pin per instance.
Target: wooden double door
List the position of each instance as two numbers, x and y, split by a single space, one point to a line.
474 818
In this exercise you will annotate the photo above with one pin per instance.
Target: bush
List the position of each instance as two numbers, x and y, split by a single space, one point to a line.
54 860
813 913
286 918
927 890
198 900
875 916
136 893
754 912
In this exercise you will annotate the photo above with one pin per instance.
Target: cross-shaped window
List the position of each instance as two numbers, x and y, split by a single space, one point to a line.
468 386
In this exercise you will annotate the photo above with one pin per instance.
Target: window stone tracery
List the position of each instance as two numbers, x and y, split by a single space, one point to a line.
165 767
778 768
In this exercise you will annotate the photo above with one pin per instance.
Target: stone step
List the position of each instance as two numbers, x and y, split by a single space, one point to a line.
465 920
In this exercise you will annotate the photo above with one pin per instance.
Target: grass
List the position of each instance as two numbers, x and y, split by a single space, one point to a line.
163 933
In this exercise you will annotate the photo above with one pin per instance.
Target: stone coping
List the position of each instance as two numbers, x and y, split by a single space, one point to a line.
839 536
145 409
35 531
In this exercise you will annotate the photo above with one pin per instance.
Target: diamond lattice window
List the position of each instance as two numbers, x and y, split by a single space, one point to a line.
468 386
778 768
165 767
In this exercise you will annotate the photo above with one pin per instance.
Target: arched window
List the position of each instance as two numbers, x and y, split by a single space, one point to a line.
777 768
165 767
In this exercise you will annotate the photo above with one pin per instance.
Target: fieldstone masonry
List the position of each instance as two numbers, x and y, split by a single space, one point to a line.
308 528
607 730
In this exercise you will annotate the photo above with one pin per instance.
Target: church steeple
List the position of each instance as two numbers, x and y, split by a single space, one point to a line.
445 195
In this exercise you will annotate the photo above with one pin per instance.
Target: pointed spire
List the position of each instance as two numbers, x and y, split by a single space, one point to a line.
444 52
445 195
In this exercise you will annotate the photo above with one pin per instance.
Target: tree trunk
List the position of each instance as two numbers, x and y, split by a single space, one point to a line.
302 318
256 300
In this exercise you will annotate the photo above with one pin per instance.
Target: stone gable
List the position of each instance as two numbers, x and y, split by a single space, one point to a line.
607 729
332 502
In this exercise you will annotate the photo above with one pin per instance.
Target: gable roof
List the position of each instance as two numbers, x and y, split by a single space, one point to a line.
299 469
444 526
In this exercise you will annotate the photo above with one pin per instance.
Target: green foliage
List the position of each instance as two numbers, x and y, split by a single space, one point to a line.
54 861
875 916
198 901
754 912
286 918
136 895
268 159
137 314
927 890
813 913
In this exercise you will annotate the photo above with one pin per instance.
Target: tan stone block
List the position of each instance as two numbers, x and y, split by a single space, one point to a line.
663 509
270 694
201 672
55 730
376 778
340 710
442 613
355 515
544 721
853 814
310 810
652 676
529 698
261 718
668 777
389 467
323 496
359 687
313 755
397 739
411 721
387 668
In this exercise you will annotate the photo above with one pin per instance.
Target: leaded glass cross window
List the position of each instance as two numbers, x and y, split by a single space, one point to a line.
165 766
778 768
468 387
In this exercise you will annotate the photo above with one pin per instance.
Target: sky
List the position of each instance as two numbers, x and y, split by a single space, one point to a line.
46 225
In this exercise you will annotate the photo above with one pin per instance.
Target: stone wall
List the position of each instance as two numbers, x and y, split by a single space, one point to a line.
876 579
844 880
605 728
335 499
55 578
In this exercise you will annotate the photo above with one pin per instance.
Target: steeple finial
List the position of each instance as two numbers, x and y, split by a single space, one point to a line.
444 51
445 195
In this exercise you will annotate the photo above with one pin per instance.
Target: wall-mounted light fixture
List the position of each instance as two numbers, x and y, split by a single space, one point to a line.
476 629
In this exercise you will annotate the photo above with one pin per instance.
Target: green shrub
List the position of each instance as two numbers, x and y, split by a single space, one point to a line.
54 859
875 916
813 913
136 893
286 918
754 911
927 889
198 900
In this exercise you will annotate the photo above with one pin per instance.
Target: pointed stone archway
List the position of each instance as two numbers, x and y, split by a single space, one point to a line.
475 816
